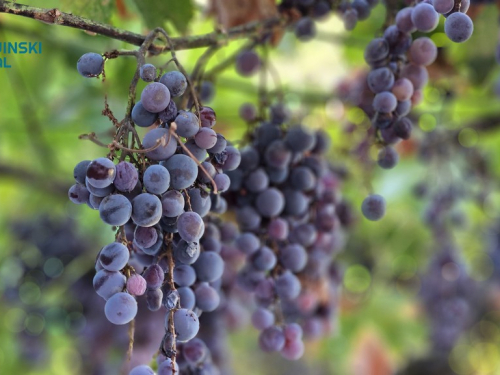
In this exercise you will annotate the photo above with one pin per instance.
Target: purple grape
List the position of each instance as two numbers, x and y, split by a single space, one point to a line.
272 339
350 18
205 138
379 80
363 9
155 97
78 194
418 75
207 298
387 158
121 308
293 257
90 65
424 17
233 158
187 124
247 243
142 370
247 63
263 259
423 51
175 82
278 229
183 171
287 285
154 276
148 72
248 218
262 318
195 351
199 154
184 275
153 299
186 324
257 181
190 226
146 210
219 146
172 203
402 89
403 128
376 51
126 176
385 102
458 27
166 148
80 171
373 207
305 29
168 114
209 266
302 178
136 285
141 117
443 6
145 236
248 112
156 179
101 172
293 350
187 252
115 210
299 139
222 182
187 298
270 202
114 256
99 192
207 117
108 283
404 22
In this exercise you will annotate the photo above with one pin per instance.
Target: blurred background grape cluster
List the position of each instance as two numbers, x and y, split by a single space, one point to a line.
421 288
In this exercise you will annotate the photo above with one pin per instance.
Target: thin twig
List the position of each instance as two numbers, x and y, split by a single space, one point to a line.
56 17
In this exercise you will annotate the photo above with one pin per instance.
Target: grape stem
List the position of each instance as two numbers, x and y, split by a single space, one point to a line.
56 17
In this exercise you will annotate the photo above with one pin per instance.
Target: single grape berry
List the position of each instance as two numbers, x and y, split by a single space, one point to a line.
90 65
247 63
148 72
373 207
175 82
458 27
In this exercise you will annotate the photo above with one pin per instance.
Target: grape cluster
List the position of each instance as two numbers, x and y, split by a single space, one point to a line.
449 296
163 251
286 197
398 75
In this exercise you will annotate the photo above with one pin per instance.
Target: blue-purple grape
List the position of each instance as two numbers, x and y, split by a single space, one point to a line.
142 117
121 308
155 97
108 283
90 65
175 82
115 210
183 171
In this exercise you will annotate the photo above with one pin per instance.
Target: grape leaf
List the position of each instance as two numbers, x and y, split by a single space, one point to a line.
97 10
156 12
232 13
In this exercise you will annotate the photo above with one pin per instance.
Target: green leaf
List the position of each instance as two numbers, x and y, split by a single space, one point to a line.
97 10
156 12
